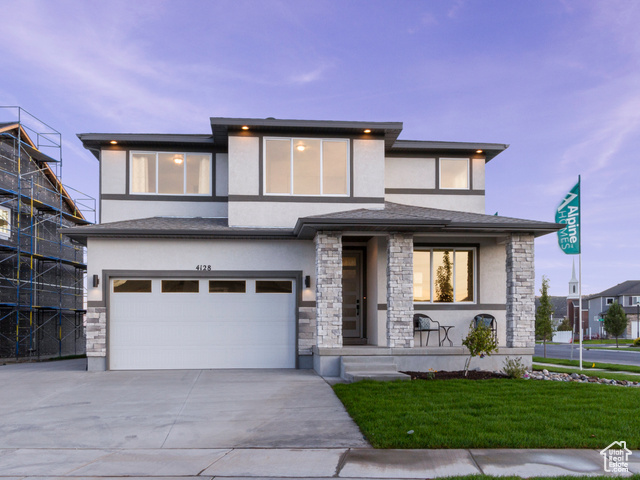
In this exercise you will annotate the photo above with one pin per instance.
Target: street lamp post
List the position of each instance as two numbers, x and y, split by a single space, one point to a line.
638 317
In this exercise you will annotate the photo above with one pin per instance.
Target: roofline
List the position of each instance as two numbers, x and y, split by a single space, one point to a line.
95 141
490 150
221 126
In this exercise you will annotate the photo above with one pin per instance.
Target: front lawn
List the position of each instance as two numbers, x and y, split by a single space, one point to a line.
589 373
492 413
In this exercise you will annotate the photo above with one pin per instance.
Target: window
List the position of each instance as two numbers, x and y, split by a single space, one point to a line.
634 300
180 286
5 223
609 301
132 286
274 286
227 286
306 166
454 173
444 275
170 173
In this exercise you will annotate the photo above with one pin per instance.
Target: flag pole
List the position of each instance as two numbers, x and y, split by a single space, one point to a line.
580 269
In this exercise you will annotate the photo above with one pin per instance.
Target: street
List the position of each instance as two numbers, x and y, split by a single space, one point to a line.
614 355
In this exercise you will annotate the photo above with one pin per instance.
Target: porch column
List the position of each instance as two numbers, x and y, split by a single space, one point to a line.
328 289
520 291
400 290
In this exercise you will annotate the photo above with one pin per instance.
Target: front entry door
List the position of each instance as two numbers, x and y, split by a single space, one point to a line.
352 297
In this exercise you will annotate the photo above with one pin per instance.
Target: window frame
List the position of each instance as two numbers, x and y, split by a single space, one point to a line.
291 171
157 153
6 235
453 251
606 300
468 159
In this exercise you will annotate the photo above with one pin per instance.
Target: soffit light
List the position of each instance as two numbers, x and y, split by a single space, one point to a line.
113 142
245 127
478 151
178 160
367 130
300 148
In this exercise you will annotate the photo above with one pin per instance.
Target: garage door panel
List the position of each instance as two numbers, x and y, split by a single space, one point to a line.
201 330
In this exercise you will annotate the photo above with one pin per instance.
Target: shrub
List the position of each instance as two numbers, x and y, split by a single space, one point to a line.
636 342
480 341
514 368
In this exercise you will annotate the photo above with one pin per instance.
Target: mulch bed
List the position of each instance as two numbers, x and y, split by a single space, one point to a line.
442 375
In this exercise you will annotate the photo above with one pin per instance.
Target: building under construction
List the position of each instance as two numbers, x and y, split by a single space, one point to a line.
42 273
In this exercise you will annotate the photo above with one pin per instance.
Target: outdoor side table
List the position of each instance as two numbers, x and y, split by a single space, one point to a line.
446 329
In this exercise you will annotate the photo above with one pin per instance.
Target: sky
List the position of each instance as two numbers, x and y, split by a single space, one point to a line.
557 80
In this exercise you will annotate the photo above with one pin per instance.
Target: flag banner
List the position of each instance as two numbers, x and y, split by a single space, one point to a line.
568 212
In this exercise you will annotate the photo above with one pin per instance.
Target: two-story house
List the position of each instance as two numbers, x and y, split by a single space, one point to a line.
627 294
276 243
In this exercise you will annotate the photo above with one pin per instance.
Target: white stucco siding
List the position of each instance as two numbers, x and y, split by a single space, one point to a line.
477 173
222 175
118 210
284 214
410 173
113 171
244 165
185 255
368 168
493 276
459 203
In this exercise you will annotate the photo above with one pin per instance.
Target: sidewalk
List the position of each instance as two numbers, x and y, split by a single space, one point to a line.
360 463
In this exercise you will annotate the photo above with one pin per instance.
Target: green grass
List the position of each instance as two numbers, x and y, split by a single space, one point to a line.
564 477
492 414
590 373
616 367
626 348
606 341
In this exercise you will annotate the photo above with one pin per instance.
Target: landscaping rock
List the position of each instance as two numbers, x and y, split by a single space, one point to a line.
575 377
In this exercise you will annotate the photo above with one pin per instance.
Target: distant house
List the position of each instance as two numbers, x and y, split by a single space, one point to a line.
626 294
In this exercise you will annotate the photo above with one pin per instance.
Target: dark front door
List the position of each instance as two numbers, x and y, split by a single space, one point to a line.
352 297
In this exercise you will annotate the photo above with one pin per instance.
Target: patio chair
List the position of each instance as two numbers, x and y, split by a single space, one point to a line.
488 321
424 323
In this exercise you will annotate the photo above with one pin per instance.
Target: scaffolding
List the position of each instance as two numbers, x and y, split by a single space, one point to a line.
42 273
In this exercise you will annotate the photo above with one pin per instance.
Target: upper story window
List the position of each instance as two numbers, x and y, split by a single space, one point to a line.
634 300
5 222
454 173
170 173
444 275
306 166
609 301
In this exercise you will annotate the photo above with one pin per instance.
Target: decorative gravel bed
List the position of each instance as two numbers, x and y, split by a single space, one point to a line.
576 377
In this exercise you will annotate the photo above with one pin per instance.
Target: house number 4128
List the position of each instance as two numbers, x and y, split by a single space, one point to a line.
203 267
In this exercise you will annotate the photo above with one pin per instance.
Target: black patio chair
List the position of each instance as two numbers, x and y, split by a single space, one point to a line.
488 321
424 323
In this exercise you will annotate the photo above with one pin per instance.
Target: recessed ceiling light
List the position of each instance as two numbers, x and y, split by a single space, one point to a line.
178 160
300 148
113 142
367 130
245 127
478 151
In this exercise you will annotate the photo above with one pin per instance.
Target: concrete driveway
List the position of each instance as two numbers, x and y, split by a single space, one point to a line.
60 405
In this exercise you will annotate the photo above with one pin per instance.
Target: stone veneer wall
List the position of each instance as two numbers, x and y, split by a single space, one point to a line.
328 289
520 291
306 330
96 331
400 290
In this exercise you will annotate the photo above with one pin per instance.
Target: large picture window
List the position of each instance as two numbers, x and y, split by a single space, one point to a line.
172 173
444 275
454 173
306 166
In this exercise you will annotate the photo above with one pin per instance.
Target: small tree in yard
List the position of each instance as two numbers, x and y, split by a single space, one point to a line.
544 327
615 321
565 326
480 341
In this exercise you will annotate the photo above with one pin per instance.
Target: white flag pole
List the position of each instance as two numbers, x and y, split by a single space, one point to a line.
580 267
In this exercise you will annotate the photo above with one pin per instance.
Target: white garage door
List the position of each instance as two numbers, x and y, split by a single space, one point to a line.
203 323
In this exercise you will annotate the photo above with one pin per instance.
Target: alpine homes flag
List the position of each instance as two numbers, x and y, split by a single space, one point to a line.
568 212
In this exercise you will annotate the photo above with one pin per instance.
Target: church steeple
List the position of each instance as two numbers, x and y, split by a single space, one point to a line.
573 284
